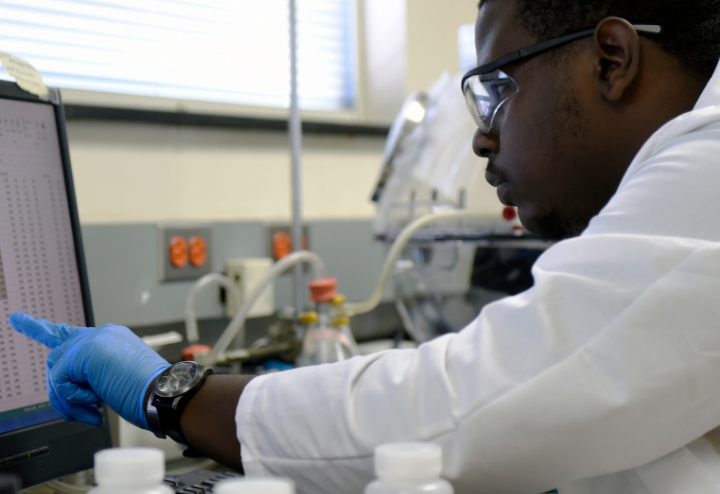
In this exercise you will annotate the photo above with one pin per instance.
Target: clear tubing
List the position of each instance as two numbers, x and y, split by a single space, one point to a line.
191 327
395 251
236 326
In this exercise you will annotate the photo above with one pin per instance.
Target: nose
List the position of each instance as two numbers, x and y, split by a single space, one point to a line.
485 145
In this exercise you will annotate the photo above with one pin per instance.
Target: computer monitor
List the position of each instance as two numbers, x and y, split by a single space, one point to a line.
42 272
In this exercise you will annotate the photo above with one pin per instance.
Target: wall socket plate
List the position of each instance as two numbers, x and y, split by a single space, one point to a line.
273 228
168 272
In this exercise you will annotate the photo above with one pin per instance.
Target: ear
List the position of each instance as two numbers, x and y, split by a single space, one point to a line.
616 50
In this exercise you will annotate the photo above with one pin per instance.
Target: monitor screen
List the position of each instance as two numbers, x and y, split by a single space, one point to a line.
38 265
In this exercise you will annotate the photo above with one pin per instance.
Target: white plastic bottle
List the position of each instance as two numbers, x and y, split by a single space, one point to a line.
409 468
258 485
130 471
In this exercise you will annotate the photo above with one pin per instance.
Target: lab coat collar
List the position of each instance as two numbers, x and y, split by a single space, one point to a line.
711 95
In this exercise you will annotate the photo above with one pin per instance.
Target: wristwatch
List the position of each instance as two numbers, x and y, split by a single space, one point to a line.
172 390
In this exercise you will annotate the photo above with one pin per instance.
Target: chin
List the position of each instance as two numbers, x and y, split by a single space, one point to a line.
552 226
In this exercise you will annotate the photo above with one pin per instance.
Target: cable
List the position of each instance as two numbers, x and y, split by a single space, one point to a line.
353 309
191 327
65 488
236 327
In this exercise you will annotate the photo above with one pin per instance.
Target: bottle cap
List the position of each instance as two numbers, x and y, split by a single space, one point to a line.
419 462
323 290
309 318
255 486
342 321
193 351
129 467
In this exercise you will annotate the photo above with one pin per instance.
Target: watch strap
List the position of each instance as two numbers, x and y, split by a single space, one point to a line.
153 419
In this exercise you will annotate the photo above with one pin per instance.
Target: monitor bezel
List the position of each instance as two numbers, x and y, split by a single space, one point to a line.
72 445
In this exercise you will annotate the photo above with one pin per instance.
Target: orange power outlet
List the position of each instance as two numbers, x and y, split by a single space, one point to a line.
185 252
198 251
178 252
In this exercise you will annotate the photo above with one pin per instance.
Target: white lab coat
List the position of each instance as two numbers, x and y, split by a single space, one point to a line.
602 378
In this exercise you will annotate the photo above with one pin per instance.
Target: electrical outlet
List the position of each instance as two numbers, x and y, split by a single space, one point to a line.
184 252
279 240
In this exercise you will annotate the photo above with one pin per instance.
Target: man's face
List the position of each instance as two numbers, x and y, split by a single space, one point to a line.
545 154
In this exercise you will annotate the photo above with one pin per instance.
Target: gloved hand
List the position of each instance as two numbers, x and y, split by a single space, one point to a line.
88 366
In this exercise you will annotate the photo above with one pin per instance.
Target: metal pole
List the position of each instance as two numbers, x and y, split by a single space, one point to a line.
295 126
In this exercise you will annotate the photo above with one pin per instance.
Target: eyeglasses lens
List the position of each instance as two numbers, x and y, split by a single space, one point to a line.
484 94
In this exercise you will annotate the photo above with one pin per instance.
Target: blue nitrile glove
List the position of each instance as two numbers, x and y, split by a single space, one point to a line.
87 366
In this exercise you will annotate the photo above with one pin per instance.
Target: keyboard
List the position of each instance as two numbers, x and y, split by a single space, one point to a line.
198 481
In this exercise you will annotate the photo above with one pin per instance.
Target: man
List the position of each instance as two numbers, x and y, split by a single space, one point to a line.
605 376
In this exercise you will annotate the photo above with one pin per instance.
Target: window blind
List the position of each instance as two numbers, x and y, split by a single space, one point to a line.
234 51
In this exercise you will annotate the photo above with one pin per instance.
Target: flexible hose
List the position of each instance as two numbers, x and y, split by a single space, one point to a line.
64 488
353 309
191 327
236 327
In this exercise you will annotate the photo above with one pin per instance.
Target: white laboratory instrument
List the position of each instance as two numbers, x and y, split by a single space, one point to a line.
130 471
429 167
409 468
246 273
270 485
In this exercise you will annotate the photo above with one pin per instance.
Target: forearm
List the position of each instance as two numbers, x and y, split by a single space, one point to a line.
543 388
208 420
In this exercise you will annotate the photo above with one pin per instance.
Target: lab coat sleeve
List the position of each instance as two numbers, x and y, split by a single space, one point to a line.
601 367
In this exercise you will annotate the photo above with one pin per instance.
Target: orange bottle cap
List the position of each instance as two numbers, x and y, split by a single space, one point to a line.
323 290
189 353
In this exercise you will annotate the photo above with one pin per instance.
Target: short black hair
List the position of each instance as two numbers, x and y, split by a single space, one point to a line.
691 28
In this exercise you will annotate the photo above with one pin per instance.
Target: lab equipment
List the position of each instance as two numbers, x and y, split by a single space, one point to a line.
256 486
89 366
191 329
324 342
295 129
409 468
42 272
410 116
245 274
130 471
432 272
434 169
398 246
235 329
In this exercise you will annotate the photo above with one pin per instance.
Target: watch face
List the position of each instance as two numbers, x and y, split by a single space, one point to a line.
176 379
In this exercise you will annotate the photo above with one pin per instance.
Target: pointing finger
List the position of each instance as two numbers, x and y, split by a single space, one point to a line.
48 333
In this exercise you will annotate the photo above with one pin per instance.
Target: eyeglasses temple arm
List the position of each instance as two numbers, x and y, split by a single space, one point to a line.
547 45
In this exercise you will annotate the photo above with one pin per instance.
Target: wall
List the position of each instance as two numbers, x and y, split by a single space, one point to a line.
122 261
384 28
148 172
432 34
128 177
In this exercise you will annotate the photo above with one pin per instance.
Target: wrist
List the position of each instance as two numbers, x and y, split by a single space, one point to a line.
145 398
173 389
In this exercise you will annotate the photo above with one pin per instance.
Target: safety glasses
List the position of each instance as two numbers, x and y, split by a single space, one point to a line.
487 88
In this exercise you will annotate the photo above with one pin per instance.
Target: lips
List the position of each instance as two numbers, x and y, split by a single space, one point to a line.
500 182
503 192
